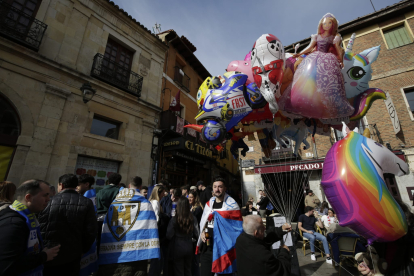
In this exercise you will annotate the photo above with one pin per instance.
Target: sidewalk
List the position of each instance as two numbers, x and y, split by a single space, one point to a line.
320 267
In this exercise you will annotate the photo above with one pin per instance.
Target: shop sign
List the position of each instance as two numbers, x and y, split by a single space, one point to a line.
393 113
185 156
188 146
289 168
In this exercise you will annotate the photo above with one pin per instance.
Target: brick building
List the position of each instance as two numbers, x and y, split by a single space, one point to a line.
392 29
48 127
184 158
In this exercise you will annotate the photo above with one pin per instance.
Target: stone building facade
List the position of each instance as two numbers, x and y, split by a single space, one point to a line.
60 46
392 29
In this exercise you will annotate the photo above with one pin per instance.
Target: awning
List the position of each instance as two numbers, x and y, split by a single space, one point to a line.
303 165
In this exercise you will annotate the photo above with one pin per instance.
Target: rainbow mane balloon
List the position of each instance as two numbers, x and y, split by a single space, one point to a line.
352 179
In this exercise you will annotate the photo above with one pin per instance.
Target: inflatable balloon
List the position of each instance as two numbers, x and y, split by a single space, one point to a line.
318 89
268 63
297 133
242 66
357 70
353 182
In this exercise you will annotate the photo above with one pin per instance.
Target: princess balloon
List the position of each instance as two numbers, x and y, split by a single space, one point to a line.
318 89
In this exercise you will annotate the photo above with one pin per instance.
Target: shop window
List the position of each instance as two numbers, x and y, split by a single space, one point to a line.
100 169
397 37
105 127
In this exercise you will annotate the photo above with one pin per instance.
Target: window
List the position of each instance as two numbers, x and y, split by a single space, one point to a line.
22 14
181 78
104 127
397 37
100 169
117 62
181 113
409 95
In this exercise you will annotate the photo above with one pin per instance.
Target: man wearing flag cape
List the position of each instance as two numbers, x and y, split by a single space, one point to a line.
89 261
129 235
221 223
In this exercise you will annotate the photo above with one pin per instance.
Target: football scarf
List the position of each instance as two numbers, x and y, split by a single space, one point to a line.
34 242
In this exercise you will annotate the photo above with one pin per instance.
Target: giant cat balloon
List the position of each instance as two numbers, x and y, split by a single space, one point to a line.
353 181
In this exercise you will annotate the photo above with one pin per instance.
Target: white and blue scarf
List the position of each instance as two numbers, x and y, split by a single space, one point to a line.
34 242
89 261
130 231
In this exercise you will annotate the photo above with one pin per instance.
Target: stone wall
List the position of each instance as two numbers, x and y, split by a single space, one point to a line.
44 88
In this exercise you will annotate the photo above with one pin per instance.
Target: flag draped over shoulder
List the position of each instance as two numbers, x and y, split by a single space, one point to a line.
228 225
89 261
130 231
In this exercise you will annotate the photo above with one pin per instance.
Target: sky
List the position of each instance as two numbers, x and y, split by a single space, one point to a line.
225 30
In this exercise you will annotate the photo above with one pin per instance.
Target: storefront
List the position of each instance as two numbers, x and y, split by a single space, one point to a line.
185 161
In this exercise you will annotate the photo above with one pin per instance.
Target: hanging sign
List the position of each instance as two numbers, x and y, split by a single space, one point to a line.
393 113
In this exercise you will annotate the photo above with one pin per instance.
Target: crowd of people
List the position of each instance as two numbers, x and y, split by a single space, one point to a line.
131 229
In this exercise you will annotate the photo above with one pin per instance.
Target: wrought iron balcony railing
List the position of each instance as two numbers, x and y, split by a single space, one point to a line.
181 78
117 75
21 27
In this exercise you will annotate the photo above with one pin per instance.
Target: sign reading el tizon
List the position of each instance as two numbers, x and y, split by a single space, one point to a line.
188 146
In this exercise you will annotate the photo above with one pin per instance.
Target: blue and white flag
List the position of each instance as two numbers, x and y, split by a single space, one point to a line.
89 261
130 231
91 194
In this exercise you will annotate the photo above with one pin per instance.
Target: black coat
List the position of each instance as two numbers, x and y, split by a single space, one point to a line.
13 245
263 203
254 256
197 212
181 245
69 219
246 212
206 195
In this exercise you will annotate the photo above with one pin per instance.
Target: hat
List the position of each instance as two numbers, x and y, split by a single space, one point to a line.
193 188
310 191
200 182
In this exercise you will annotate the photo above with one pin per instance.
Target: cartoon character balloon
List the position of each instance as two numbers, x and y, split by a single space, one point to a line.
268 63
353 181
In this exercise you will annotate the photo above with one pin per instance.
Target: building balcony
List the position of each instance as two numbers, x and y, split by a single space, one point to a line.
181 78
20 27
116 75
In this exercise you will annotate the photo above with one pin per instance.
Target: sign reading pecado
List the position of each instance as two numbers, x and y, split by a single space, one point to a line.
187 145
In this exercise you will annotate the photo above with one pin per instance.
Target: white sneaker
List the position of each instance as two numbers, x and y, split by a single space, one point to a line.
313 258
329 261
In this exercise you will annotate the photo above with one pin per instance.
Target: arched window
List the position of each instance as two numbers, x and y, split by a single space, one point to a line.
9 132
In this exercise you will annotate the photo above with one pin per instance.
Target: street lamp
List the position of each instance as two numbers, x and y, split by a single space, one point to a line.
87 91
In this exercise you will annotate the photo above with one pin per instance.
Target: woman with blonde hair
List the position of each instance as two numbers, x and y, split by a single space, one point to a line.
155 198
7 191
195 204
156 265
